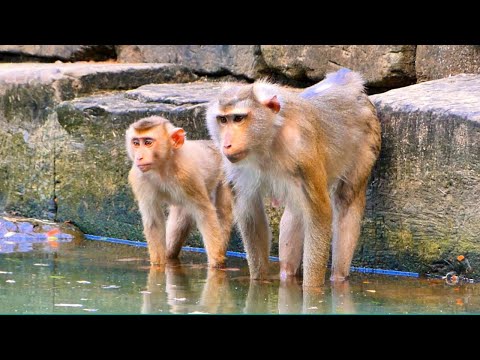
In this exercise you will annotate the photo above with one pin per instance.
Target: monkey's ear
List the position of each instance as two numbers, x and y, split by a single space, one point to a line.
178 137
273 104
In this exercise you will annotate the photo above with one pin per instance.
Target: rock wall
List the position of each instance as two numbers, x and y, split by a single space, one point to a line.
440 61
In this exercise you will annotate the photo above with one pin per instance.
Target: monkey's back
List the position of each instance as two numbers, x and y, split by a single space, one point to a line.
348 120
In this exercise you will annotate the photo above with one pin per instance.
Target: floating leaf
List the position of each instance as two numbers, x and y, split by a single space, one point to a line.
52 232
145 292
83 282
366 282
90 310
372 291
110 287
38 264
313 308
69 305
180 299
459 301
460 257
10 281
6 272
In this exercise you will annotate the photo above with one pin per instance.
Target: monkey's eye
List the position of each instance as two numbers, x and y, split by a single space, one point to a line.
136 143
222 119
148 142
238 118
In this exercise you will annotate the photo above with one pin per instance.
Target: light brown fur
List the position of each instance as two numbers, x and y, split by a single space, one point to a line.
313 151
188 176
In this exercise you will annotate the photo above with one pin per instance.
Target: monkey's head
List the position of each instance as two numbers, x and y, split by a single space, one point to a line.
150 142
243 119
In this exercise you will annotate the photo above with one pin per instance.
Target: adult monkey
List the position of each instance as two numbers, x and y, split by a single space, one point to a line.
312 150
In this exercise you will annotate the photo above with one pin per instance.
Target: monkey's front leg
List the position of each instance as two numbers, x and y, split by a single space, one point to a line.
153 221
253 225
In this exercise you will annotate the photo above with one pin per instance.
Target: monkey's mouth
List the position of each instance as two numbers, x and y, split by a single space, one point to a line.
144 167
236 157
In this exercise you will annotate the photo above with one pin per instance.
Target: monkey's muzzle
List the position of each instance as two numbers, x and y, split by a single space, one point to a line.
144 167
236 157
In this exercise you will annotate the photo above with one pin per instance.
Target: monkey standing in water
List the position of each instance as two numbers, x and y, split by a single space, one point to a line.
313 151
188 176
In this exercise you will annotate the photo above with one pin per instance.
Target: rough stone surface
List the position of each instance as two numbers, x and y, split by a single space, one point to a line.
239 60
383 66
441 61
92 164
423 202
29 127
49 53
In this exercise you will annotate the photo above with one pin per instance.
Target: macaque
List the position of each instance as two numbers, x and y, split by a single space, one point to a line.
187 175
311 151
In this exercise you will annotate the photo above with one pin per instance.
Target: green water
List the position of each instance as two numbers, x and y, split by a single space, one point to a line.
89 277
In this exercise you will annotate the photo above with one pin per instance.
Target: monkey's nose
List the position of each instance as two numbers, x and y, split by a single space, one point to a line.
227 146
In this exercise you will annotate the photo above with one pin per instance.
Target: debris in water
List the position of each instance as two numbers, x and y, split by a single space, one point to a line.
6 272
372 291
180 299
57 277
10 281
83 282
38 264
90 310
229 269
197 312
145 292
312 308
130 259
69 305
110 287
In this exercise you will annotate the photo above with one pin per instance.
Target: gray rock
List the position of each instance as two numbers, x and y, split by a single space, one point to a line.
238 60
15 53
440 61
383 66
423 201
29 127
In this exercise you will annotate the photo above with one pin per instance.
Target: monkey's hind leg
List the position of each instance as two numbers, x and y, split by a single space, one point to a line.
291 244
224 204
179 225
209 226
348 208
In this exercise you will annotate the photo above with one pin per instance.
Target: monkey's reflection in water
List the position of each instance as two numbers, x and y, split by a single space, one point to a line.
173 289
292 299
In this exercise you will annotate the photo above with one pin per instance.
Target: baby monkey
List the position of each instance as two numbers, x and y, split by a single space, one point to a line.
185 174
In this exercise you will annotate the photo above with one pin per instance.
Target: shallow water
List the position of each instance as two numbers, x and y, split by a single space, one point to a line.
89 277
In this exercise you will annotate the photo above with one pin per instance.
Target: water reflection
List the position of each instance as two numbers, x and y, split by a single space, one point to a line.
175 288
102 278
170 289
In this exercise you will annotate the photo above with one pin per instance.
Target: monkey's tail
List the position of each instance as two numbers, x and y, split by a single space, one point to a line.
342 77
